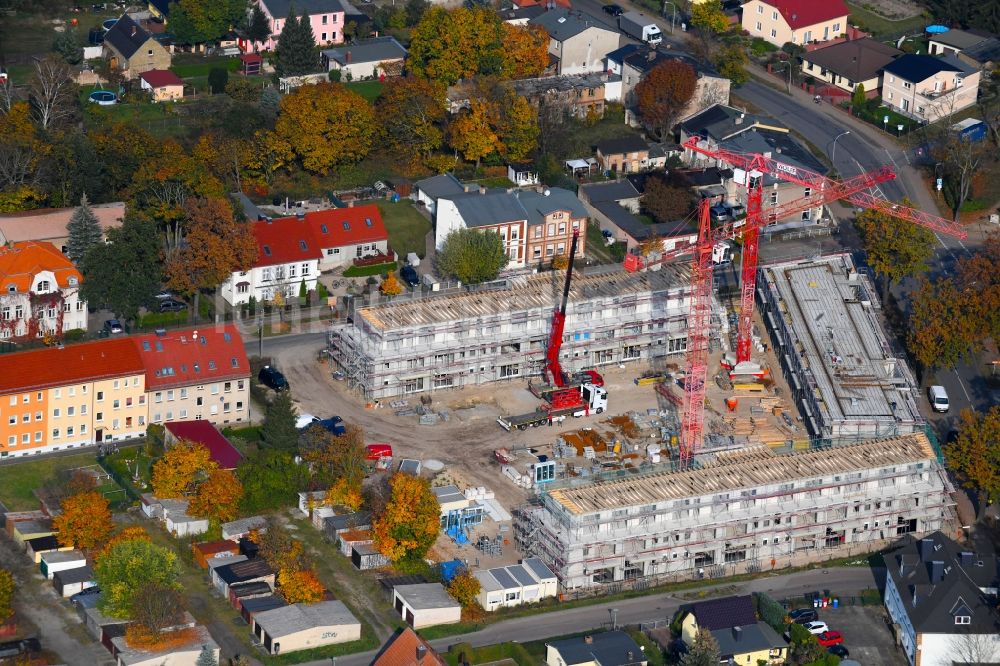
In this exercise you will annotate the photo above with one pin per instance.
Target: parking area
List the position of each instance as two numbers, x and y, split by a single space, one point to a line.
866 634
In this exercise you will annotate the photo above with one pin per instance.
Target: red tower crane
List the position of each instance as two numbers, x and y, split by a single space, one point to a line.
823 190
552 366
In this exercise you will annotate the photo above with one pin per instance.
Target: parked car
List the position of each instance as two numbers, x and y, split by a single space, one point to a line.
830 638
816 628
839 650
334 425
271 378
305 420
803 615
409 275
172 305
613 10
163 295
113 327
939 398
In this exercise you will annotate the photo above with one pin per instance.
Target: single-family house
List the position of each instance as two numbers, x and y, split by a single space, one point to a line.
305 626
237 529
425 605
38 546
733 624
246 571
625 155
73 581
39 292
797 21
60 560
207 550
128 47
503 587
406 648
426 192
611 648
326 18
940 596
201 431
929 88
577 40
162 84
201 372
185 654
374 58
849 64
49 224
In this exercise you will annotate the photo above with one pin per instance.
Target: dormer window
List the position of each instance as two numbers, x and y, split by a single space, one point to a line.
11 289
323 228
368 221
44 286
303 246
963 619
73 282
267 250
347 226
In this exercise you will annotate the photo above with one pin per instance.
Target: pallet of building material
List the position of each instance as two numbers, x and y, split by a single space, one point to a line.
399 404
748 387
429 418
405 412
723 382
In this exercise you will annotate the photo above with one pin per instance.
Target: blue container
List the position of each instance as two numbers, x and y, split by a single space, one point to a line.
836 602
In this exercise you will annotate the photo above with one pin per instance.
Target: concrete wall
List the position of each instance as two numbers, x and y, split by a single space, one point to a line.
317 637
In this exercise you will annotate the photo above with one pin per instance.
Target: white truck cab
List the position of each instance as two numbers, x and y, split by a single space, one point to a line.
939 398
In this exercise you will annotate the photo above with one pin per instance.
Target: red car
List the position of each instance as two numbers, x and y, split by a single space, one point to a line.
828 638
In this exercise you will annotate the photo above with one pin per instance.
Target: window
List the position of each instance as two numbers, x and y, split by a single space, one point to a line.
13 400
26 399
128 421
807 37
170 394
12 420
227 387
774 16
55 413
6 312
69 431
150 53
325 18
158 397
100 396
807 192
937 85
11 441
774 198
38 416
836 27
892 79
548 250
322 36
26 418
305 268
760 9
536 253
99 417
38 435
70 411
25 438
55 433
242 288
115 424
774 33
562 227
117 404
963 619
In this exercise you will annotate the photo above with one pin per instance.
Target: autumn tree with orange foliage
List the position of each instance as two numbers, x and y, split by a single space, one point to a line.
278 547
663 94
300 587
410 523
525 51
181 469
132 533
7 589
465 588
154 608
218 497
85 521
411 111
217 245
391 286
342 493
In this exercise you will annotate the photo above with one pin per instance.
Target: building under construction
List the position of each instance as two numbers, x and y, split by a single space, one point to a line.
825 324
738 511
499 332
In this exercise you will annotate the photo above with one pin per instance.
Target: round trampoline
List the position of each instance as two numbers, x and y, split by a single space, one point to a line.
103 97
107 25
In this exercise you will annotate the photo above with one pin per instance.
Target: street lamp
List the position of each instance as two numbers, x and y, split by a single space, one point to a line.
614 618
833 154
673 19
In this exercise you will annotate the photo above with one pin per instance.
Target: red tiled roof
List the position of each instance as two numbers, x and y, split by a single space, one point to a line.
159 78
21 262
202 432
803 13
283 241
347 226
214 547
401 650
73 364
182 358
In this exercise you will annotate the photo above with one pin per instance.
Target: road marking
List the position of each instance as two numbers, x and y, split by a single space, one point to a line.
889 155
962 384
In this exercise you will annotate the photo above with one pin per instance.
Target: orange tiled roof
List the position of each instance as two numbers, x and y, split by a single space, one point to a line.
401 650
54 366
21 262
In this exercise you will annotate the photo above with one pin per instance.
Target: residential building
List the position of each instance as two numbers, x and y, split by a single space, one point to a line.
426 192
305 626
848 64
65 397
162 84
577 95
499 332
610 648
737 510
941 597
128 47
326 18
733 624
521 15
614 206
796 21
627 155
378 57
578 40
196 373
425 605
516 584
406 648
535 226
929 88
49 224
345 234
222 453
39 292
287 256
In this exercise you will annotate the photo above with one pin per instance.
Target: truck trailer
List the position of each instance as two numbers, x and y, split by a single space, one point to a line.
584 400
641 27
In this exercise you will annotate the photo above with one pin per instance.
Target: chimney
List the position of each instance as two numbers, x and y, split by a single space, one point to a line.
347 57
936 569
925 547
737 633
421 653
588 640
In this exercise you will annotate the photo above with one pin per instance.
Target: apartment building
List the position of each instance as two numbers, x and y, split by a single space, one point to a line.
796 21
39 292
64 397
737 511
196 373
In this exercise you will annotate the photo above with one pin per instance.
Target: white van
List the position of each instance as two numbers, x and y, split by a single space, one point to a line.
939 398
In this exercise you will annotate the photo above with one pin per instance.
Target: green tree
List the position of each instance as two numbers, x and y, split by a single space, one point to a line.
896 248
803 647
708 16
279 430
67 45
207 658
7 589
124 274
200 21
704 651
472 256
769 611
942 326
218 77
270 480
296 48
127 568
84 232
731 61
858 98
974 456
258 29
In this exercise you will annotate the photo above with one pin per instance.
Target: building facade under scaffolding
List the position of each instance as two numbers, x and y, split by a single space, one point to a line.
825 323
739 511
500 332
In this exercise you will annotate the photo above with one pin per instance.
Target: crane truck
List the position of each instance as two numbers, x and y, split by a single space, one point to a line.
584 400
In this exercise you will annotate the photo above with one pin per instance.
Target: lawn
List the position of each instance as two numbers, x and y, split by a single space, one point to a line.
879 25
19 479
370 90
407 228
192 65
374 269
